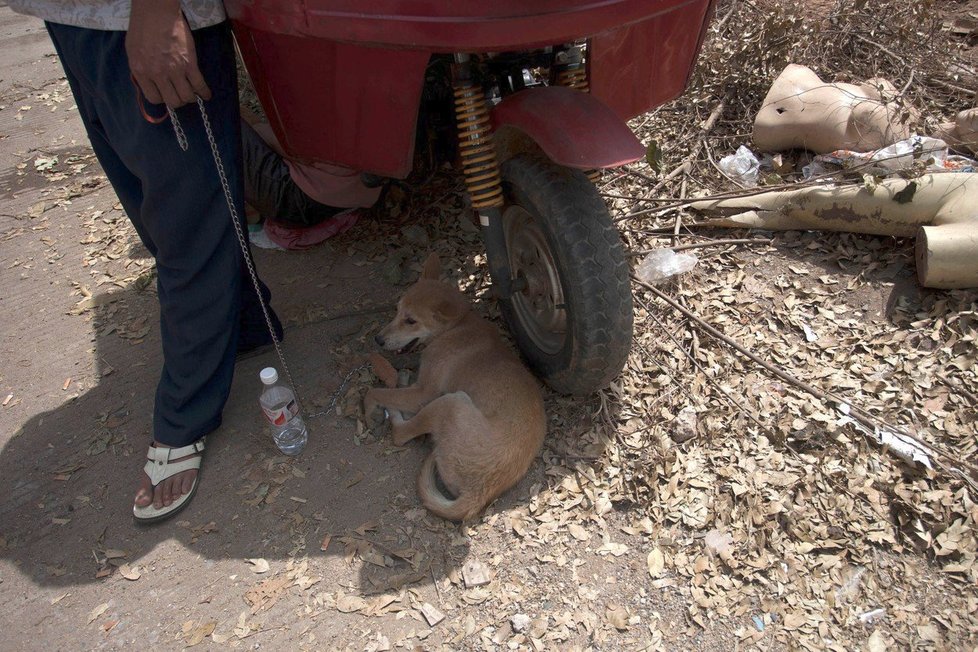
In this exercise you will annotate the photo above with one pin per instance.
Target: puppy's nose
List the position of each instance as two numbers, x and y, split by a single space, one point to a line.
379 339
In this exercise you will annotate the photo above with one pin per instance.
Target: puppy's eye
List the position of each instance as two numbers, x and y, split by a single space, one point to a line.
410 321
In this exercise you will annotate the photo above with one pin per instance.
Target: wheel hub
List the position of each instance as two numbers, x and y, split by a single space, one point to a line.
539 304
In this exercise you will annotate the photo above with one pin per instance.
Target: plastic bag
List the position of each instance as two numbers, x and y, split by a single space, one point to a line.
742 166
894 158
662 264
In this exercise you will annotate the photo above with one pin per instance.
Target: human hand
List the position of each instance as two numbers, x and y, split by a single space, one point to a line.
162 56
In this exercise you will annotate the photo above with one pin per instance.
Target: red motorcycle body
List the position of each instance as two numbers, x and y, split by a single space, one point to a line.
341 80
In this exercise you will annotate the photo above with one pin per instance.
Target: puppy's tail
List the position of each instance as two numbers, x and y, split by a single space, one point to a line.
462 508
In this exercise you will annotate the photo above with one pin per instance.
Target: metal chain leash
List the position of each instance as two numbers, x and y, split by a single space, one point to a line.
338 392
243 242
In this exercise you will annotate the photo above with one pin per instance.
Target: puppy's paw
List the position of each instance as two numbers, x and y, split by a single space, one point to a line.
399 428
373 414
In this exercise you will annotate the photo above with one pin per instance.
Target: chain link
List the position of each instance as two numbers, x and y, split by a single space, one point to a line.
243 242
178 129
338 392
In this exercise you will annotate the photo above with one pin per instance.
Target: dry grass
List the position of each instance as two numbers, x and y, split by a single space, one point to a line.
821 524
759 508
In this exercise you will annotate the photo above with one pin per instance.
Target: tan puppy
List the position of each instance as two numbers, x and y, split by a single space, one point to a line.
481 406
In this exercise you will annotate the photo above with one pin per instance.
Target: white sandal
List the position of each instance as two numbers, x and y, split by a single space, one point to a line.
159 468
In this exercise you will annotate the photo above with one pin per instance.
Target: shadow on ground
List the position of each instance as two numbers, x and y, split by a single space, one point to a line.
68 474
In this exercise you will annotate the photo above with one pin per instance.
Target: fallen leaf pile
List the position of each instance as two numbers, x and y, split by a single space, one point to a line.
761 503
699 502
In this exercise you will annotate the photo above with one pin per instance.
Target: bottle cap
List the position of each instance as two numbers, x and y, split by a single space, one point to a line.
269 376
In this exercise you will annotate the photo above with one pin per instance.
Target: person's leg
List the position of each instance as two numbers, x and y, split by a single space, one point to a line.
181 213
269 187
127 186
254 330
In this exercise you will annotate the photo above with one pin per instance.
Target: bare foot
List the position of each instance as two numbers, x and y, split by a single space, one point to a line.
169 489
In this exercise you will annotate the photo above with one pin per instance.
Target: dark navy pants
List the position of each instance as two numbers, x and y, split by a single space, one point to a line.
269 187
208 305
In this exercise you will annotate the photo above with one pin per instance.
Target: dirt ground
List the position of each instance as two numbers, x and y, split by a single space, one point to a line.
81 357
332 550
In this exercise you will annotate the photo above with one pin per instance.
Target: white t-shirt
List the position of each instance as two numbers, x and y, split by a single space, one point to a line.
112 14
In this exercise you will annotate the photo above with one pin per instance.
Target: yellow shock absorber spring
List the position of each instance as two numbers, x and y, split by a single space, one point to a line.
575 76
476 146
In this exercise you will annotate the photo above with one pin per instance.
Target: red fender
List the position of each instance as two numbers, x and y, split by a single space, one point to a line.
573 128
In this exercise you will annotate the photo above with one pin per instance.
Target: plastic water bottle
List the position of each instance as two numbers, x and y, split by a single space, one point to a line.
279 405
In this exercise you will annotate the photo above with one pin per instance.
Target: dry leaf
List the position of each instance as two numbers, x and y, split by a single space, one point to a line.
201 632
267 593
37 209
97 611
612 548
131 573
371 556
539 627
380 644
656 563
474 573
876 642
369 526
431 614
578 532
350 603
720 544
243 628
617 617
259 565
519 526
929 633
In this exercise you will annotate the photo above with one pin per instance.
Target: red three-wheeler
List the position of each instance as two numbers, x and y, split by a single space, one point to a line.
528 97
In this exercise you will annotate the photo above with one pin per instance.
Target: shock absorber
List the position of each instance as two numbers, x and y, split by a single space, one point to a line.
476 147
572 73
480 168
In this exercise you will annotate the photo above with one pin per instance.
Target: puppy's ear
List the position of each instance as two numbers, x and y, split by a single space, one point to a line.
431 268
449 312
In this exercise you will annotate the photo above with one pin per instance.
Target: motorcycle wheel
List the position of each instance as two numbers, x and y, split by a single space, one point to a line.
571 309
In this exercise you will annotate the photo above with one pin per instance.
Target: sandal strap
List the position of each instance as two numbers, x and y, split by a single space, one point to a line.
159 467
156 453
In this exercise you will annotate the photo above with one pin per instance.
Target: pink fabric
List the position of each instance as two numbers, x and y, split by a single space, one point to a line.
310 236
332 185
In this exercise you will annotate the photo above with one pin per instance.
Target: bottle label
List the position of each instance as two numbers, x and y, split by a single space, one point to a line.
283 415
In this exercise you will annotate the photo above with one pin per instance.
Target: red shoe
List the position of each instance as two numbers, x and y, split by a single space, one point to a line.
298 238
